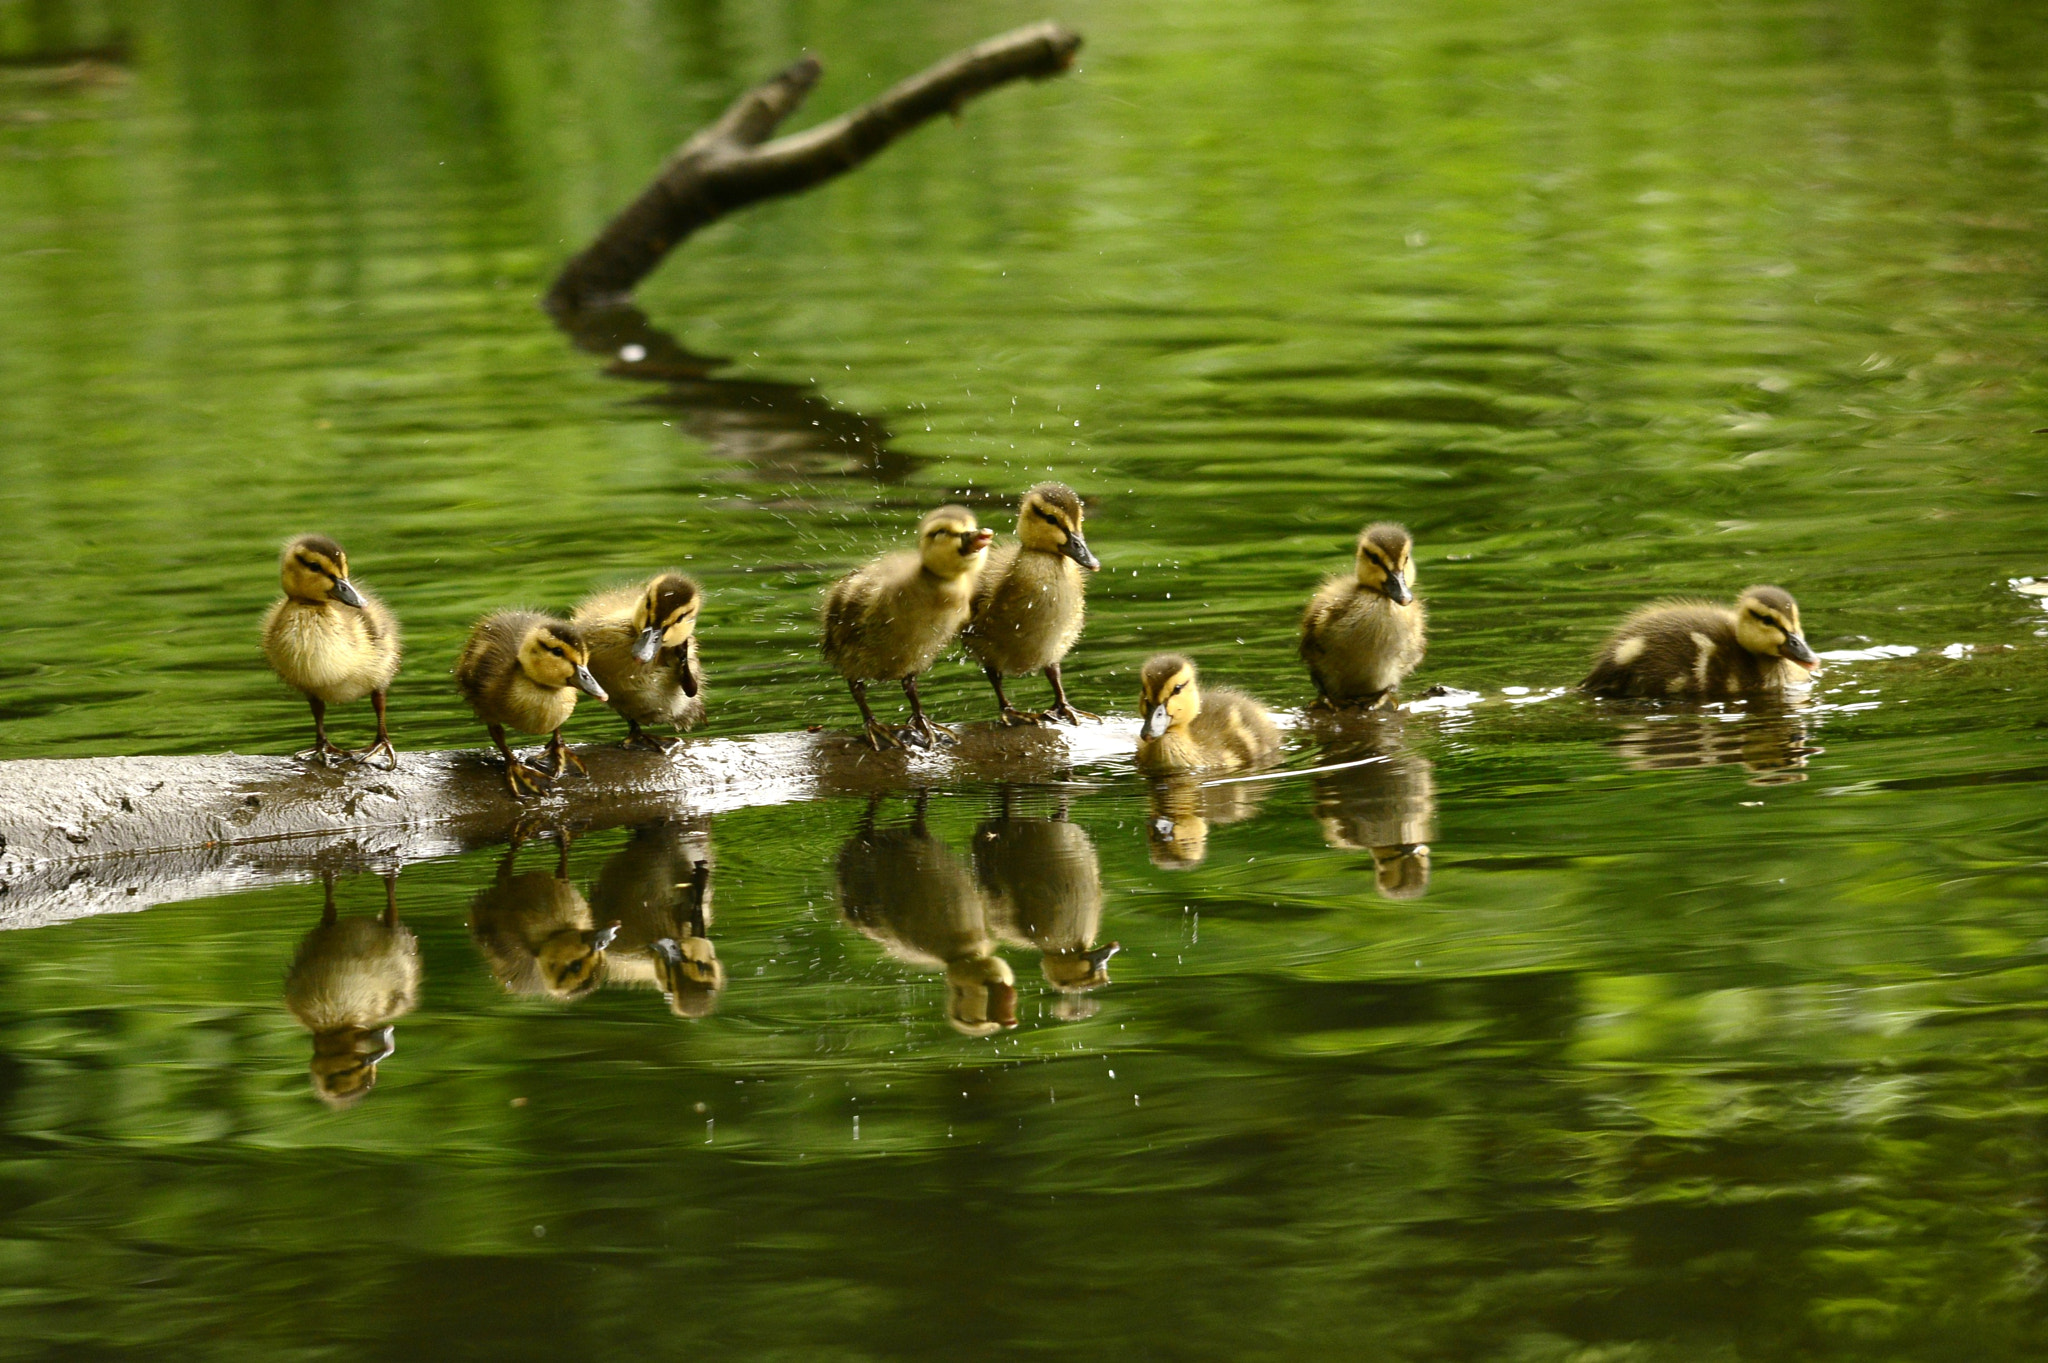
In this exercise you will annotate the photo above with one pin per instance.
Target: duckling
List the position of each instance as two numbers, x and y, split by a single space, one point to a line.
332 641
1187 731
1042 882
348 983
659 888
1032 596
643 651
888 620
1364 632
907 890
523 669
1696 648
536 931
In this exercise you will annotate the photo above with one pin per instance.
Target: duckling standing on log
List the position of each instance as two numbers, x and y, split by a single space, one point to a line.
643 651
1031 600
332 641
523 669
1700 650
1363 632
1187 730
887 621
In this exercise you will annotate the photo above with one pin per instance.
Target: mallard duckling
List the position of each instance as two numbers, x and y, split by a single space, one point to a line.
888 620
643 651
1042 882
907 890
523 669
348 983
332 641
1030 602
658 886
1696 648
1363 632
536 931
1187 730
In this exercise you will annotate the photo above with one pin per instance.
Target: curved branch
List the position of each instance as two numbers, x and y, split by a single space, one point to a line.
729 165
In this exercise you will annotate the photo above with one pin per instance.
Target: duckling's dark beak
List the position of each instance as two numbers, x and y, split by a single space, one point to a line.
348 596
1099 957
670 952
975 541
602 938
1155 723
587 684
387 1044
687 675
1396 589
1076 549
1798 652
647 645
1002 1004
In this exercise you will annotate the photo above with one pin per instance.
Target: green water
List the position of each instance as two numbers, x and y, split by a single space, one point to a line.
1710 1036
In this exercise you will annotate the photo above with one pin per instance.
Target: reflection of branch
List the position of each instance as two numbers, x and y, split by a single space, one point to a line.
730 164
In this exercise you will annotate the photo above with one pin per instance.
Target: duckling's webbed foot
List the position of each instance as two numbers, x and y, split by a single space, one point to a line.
1012 717
879 738
641 739
1065 713
921 724
1008 715
560 759
323 754
524 780
382 746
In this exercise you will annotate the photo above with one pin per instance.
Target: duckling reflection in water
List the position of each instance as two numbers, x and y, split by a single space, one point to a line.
1698 649
350 980
643 652
536 931
909 891
1769 741
1364 631
1183 811
1042 886
658 887
1385 806
1031 601
1187 728
332 641
889 620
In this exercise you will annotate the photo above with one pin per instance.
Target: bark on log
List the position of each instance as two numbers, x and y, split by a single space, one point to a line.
731 164
112 834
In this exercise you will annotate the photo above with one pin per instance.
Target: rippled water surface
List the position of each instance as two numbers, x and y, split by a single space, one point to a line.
1543 1029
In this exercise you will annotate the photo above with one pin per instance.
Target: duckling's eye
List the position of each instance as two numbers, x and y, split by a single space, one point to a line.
1763 619
1178 689
313 567
1048 517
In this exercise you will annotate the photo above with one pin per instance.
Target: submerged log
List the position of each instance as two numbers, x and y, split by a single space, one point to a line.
86 836
732 164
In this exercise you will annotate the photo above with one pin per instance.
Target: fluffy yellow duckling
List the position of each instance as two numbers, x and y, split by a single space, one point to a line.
643 651
658 886
888 620
349 982
1700 650
522 670
536 932
1031 600
907 890
1187 730
332 641
1363 632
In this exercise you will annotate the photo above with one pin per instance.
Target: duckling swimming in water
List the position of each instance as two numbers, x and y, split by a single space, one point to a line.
888 620
523 669
1187 730
643 651
350 980
332 641
1031 600
1699 649
1363 632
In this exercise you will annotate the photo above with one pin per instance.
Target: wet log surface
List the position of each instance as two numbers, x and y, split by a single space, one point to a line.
89 836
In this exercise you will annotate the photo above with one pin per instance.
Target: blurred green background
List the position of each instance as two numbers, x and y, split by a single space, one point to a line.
1713 1037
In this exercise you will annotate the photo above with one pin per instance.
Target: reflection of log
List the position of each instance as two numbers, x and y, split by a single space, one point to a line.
731 164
